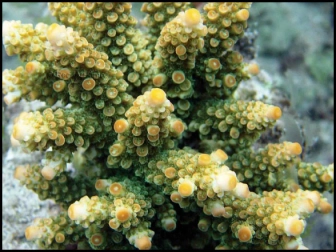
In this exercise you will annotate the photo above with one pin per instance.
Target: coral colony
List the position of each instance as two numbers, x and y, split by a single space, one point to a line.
145 145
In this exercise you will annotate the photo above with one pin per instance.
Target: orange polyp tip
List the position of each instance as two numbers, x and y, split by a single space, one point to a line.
168 224
143 243
229 181
72 211
20 172
315 196
116 189
175 197
159 80
97 239
60 140
295 148
180 50
136 208
178 77
114 224
31 66
100 64
170 172
177 127
53 27
324 207
32 233
52 134
244 234
294 227
242 15
100 184
123 214
214 64
77 211
48 173
326 178
274 113
307 205
116 150
14 142
53 30
111 93
157 97
88 84
120 126
64 73
153 130
253 68
59 85
18 133
186 188
219 156
229 80
192 16
204 159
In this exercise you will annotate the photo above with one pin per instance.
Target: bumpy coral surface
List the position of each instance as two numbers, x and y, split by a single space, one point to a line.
145 146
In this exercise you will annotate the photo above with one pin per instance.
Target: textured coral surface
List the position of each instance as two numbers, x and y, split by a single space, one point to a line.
145 135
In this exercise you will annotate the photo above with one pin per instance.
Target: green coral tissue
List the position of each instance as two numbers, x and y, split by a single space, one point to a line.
144 144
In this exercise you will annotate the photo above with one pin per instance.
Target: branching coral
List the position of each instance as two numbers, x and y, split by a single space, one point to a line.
130 102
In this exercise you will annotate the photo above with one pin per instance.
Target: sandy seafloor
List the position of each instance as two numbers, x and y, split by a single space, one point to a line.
295 50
